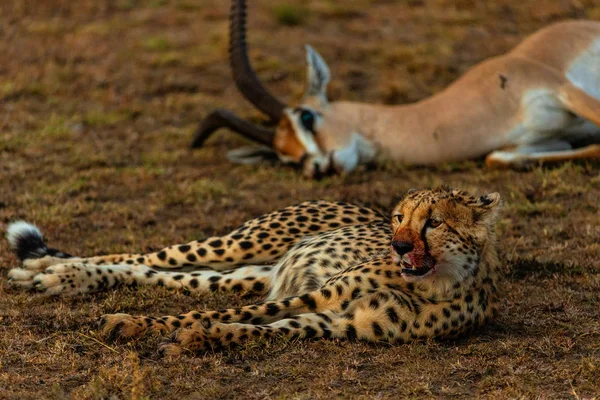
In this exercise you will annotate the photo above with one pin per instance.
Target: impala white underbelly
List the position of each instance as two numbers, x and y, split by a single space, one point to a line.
545 119
584 71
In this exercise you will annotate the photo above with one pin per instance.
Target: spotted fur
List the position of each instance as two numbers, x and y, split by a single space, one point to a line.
260 241
339 279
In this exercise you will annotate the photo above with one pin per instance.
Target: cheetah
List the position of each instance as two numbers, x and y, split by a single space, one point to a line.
327 270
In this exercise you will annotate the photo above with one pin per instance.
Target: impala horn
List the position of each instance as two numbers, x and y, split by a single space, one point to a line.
248 83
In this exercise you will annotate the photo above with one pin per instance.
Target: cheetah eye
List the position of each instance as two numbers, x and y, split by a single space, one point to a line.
434 222
399 218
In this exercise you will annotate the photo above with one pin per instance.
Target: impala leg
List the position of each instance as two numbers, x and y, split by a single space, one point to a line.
579 102
519 159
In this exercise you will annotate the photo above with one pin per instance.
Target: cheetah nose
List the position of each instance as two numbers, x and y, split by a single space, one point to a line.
402 247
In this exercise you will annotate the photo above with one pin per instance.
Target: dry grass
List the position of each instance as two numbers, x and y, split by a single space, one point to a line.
99 100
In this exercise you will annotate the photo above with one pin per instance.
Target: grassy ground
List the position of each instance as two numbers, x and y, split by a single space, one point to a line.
98 104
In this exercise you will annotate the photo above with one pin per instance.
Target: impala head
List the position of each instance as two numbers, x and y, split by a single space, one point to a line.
319 137
440 236
312 135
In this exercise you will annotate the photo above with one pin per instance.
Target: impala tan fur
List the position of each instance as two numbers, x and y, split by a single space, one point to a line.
538 102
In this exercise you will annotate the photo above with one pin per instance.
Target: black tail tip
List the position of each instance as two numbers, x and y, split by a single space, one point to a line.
26 240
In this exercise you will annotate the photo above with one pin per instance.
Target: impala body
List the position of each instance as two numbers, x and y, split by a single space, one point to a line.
538 102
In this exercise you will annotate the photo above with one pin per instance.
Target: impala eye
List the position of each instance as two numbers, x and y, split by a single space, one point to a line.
308 120
434 222
399 218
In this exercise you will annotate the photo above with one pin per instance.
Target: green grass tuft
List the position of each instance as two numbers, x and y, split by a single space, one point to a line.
291 14
157 44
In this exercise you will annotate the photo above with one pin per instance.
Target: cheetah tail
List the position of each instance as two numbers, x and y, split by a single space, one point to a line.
28 242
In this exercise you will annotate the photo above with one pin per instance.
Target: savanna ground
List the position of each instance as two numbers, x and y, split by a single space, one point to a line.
99 100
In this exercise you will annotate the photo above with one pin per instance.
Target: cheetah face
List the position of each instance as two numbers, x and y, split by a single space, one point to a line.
440 234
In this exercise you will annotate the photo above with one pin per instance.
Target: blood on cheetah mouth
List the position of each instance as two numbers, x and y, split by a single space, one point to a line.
409 269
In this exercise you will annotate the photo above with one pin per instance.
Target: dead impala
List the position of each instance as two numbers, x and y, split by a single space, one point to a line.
538 102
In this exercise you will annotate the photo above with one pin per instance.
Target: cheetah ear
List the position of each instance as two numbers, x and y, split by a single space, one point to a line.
488 201
486 208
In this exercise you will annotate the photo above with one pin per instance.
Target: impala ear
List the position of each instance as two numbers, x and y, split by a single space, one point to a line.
317 75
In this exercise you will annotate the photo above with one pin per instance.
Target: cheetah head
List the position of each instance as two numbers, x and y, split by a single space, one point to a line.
440 235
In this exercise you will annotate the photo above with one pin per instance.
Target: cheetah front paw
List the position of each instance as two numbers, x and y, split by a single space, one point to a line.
24 277
192 341
21 278
63 279
72 278
125 326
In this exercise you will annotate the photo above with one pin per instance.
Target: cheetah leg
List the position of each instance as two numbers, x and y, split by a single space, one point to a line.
24 276
342 293
261 240
377 317
124 325
77 278
335 295
69 278
202 338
